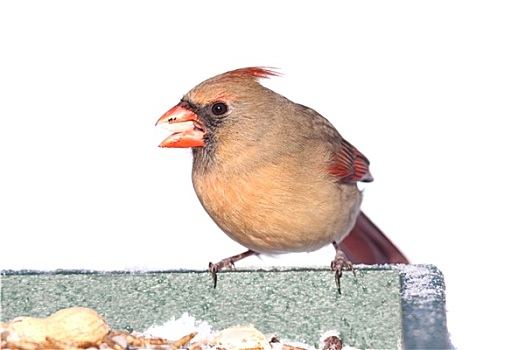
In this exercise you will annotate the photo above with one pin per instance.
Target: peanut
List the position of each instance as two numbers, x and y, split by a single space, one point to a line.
76 327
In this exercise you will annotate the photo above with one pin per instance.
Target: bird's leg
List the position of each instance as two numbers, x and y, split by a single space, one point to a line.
338 264
227 263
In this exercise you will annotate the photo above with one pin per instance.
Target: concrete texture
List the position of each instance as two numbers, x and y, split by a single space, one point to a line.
383 307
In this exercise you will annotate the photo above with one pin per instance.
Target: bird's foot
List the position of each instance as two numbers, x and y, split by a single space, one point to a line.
214 268
227 263
339 263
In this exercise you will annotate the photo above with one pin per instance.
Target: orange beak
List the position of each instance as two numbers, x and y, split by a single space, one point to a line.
186 127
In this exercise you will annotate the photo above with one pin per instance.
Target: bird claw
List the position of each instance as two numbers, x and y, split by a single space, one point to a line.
214 268
339 263
227 263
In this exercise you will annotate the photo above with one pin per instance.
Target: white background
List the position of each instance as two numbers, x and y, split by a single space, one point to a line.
432 93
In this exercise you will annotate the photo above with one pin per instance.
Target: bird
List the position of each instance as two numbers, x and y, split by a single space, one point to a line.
275 176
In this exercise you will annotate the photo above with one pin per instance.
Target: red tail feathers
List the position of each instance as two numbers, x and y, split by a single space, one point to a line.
366 244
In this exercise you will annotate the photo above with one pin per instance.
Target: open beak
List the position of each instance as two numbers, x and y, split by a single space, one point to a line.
185 125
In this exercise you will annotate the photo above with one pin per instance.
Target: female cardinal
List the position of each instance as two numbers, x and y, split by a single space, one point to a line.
275 176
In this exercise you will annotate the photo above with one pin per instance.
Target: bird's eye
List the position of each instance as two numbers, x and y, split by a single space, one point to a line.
219 108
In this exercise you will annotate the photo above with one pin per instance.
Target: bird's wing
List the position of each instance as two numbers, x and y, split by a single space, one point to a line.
350 165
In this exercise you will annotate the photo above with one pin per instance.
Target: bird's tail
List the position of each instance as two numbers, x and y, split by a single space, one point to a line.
366 244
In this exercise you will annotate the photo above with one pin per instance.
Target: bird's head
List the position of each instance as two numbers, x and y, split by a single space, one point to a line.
196 119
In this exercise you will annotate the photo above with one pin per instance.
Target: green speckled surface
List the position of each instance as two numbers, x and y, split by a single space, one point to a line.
295 304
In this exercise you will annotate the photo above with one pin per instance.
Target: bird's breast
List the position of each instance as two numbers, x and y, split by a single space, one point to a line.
271 211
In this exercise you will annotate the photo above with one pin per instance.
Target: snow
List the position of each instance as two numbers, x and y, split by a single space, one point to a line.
176 328
186 324
420 283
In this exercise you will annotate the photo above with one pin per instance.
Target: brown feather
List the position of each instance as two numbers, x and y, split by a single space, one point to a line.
350 165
